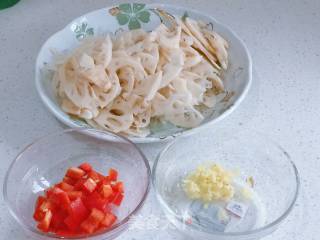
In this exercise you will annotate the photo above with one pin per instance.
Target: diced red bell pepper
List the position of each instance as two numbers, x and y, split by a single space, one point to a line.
118 199
118 187
77 213
71 223
69 180
86 167
60 197
40 200
38 215
113 174
65 186
79 204
78 186
96 216
78 210
108 220
96 201
74 195
106 180
48 192
97 177
93 221
47 206
89 185
75 173
44 224
57 221
88 227
106 191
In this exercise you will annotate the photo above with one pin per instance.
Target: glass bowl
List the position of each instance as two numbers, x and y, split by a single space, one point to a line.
253 159
44 162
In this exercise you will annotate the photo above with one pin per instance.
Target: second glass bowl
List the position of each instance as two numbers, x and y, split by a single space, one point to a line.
275 178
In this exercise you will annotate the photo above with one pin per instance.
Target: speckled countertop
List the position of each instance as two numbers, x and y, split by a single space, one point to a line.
284 101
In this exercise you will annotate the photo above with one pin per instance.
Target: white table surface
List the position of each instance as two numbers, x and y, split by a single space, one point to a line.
284 101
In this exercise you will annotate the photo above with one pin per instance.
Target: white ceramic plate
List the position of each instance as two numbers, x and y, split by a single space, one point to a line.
237 78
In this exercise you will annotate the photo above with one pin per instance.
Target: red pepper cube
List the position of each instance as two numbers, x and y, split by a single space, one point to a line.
65 186
96 216
118 187
74 195
78 186
113 174
93 221
106 180
95 176
106 191
60 197
89 185
57 221
44 224
69 180
77 213
40 200
78 210
48 192
75 173
86 167
47 206
88 227
71 223
38 215
96 201
108 220
118 199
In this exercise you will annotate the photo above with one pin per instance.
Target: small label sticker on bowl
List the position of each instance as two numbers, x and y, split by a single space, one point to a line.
237 208
209 216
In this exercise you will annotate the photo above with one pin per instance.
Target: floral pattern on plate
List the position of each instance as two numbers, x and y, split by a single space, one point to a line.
131 14
82 30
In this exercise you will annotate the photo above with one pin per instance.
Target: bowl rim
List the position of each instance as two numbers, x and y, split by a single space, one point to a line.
48 103
249 233
112 230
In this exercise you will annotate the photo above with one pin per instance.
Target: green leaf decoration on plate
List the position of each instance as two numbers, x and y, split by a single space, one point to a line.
134 24
82 30
131 14
143 16
125 7
123 18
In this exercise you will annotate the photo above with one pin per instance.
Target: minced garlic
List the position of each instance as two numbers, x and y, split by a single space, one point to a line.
209 183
